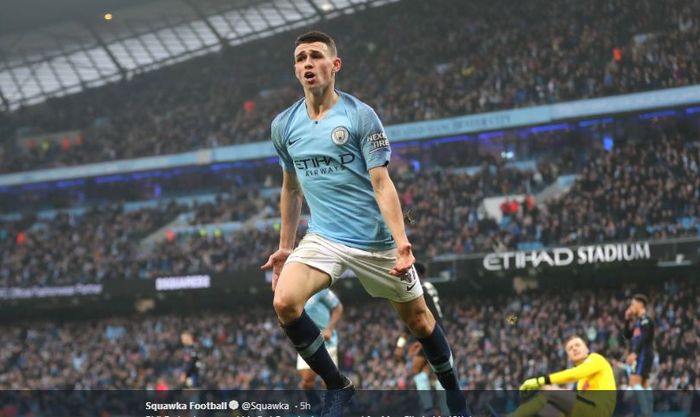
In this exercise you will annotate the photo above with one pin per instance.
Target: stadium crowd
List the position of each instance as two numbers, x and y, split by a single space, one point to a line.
466 58
75 249
645 187
106 242
246 349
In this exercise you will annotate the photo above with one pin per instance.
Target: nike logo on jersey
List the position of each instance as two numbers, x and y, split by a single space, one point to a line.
409 288
292 142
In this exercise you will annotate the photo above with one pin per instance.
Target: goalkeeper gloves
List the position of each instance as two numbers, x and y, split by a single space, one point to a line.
535 383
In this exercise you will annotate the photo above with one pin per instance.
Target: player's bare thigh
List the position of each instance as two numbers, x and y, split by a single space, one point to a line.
297 283
417 316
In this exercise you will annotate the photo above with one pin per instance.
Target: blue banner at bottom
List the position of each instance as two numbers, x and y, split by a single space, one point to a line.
405 403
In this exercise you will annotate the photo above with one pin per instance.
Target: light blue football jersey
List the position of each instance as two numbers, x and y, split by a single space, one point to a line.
332 158
319 308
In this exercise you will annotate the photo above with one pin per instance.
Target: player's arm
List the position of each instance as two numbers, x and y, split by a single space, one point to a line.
628 324
390 207
291 195
332 302
377 153
591 365
627 331
336 314
291 199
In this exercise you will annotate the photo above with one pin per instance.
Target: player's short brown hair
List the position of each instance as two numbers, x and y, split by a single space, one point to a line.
641 298
317 36
574 336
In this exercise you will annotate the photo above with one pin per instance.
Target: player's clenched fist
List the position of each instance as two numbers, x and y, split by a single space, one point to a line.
276 262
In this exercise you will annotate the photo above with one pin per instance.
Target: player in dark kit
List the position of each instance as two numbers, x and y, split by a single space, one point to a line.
420 368
189 378
640 332
639 329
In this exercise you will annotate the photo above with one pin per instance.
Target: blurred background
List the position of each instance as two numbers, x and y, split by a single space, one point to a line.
548 152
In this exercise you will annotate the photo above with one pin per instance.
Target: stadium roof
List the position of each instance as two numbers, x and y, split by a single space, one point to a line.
69 45
18 16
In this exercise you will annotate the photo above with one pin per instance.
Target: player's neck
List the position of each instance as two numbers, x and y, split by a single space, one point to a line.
319 102
577 363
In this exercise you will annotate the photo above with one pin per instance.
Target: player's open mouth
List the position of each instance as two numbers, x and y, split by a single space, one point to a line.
309 76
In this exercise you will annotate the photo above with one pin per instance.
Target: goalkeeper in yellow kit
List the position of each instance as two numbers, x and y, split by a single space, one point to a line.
595 393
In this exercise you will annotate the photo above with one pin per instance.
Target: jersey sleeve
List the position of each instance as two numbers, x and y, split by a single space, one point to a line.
373 140
277 135
330 300
594 363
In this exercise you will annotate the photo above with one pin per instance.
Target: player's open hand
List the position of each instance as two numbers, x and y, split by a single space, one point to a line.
404 260
276 262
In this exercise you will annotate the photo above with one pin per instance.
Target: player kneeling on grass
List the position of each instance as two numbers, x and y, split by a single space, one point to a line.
595 394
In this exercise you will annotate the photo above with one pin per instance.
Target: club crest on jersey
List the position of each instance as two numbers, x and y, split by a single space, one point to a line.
340 135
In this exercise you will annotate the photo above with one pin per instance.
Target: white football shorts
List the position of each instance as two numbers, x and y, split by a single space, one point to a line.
371 267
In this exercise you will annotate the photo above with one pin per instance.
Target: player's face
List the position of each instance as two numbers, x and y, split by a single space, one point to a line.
315 65
577 350
637 307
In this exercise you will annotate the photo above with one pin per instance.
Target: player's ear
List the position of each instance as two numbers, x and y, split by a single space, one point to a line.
337 64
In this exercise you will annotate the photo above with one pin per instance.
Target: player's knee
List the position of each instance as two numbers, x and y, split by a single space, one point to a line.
287 308
420 325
